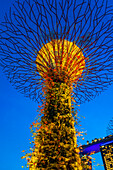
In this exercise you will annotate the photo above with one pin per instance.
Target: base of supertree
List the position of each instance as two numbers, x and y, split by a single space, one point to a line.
55 141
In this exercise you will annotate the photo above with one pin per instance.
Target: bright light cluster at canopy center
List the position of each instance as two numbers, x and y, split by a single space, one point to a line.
64 58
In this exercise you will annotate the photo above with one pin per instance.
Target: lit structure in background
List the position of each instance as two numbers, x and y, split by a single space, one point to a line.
107 156
105 146
57 60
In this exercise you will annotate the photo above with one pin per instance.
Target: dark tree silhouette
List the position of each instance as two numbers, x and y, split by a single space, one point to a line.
110 127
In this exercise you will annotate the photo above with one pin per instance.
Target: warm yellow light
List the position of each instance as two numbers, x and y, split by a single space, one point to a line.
63 57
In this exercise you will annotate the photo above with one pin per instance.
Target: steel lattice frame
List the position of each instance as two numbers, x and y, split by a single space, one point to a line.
89 24
110 127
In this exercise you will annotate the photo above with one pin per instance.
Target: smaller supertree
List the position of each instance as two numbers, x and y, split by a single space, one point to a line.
110 127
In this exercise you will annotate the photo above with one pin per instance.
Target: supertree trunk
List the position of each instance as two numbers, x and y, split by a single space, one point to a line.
55 144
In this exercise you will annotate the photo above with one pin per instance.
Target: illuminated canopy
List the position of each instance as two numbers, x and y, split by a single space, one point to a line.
64 57
31 46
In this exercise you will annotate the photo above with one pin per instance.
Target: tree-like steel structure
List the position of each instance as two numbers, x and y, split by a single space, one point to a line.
87 24
51 50
110 127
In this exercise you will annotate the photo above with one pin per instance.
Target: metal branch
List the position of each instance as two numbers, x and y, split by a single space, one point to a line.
32 24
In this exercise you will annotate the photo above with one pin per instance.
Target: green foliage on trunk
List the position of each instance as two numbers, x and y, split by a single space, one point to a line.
55 142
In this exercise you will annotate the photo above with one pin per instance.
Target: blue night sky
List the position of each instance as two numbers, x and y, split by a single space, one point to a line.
18 112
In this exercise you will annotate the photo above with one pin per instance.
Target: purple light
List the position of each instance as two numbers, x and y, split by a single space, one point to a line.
94 147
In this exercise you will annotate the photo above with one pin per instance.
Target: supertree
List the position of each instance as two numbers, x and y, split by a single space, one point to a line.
56 52
110 127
